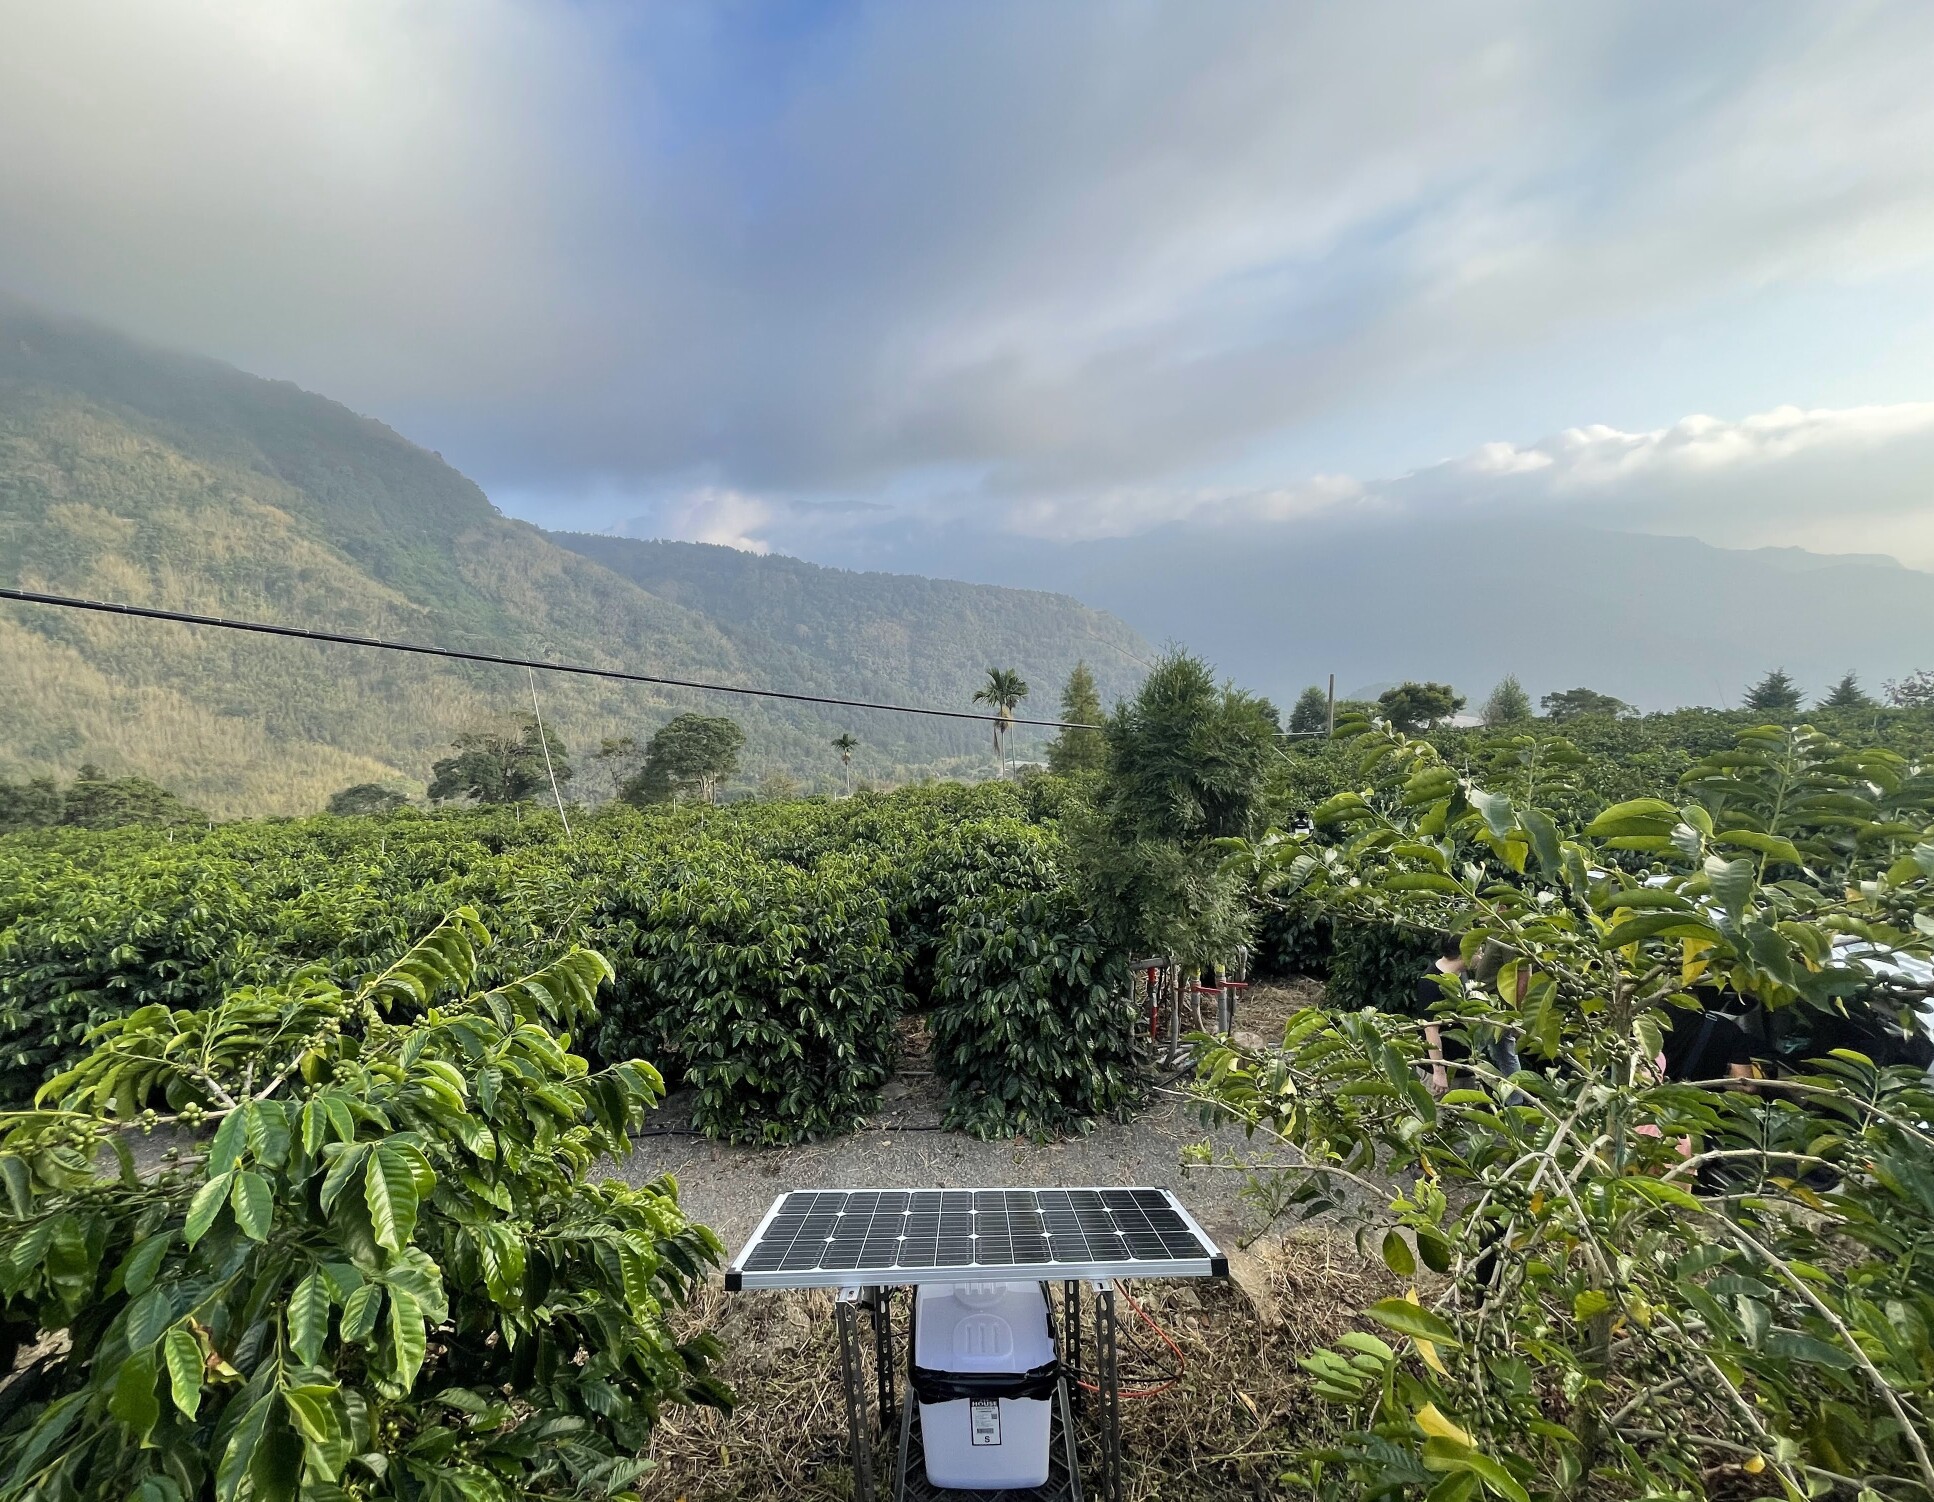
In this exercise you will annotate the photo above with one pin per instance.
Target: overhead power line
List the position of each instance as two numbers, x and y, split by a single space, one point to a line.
265 628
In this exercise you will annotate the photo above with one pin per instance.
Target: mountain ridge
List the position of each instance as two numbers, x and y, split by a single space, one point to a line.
135 474
1465 598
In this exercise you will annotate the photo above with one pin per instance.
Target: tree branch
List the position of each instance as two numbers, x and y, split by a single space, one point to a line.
1880 1384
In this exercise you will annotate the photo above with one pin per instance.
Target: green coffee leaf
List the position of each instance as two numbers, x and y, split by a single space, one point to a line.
147 1317
1732 883
309 1319
144 1262
133 1399
230 1138
1410 1319
1641 816
1448 1455
206 1205
267 1128
311 1414
407 1339
252 1203
389 1189
19 1184
1791 1345
240 1451
360 1313
183 1355
1772 845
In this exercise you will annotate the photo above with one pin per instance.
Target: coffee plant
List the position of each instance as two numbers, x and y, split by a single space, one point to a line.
776 990
1033 1030
1292 939
1626 1284
748 955
373 1261
986 858
1377 964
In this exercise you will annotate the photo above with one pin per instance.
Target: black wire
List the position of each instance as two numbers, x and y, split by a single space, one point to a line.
264 628
917 1126
1137 1348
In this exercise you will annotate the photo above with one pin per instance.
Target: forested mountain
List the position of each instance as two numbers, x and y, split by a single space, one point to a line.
132 474
830 629
1464 599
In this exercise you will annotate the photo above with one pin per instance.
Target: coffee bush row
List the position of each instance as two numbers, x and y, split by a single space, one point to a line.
763 952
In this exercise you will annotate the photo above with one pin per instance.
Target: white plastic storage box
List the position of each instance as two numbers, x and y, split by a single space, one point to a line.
984 1372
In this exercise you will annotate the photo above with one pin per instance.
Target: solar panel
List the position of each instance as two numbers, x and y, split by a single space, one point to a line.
832 1238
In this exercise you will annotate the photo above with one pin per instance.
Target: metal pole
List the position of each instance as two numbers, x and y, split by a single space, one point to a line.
1332 725
853 1380
1172 979
1109 1381
885 1377
1070 1456
1071 1303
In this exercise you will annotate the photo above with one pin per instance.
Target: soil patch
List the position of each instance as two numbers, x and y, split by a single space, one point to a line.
1226 1431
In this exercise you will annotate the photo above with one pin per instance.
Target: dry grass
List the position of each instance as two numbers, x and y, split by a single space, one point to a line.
1268 1005
1225 1432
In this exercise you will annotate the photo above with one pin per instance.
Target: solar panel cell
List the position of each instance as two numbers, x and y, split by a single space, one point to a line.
825 1237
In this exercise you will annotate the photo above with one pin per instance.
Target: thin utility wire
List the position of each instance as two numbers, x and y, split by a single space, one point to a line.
537 717
264 628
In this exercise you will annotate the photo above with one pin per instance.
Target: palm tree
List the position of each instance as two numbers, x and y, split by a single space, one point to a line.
1003 691
845 744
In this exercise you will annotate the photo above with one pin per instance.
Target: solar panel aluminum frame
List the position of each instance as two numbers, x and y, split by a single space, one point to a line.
1213 1264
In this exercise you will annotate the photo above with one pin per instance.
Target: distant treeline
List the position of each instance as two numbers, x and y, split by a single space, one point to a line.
93 800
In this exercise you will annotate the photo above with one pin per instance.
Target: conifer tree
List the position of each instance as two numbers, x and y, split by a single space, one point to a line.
1508 703
1079 750
1847 694
1776 693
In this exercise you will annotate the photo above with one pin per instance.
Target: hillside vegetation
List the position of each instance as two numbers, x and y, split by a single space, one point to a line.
137 475
1576 1178
828 629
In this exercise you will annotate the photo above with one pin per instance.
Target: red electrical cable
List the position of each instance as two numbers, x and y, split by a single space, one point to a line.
1181 1361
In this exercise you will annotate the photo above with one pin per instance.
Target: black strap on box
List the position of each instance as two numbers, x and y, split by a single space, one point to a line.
931 1385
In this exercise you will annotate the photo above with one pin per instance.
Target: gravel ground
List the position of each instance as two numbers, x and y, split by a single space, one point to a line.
730 1188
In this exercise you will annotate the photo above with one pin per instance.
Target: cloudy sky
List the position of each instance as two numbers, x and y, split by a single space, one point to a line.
812 275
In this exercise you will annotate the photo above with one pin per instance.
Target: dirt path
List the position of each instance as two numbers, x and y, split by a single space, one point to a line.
730 1188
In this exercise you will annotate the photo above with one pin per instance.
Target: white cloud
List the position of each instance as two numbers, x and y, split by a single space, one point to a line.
1849 480
1600 456
725 517
1070 248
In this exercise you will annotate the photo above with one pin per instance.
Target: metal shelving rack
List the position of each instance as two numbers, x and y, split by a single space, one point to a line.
883 1411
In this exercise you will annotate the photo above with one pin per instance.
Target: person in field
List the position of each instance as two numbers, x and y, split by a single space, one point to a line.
1442 1050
